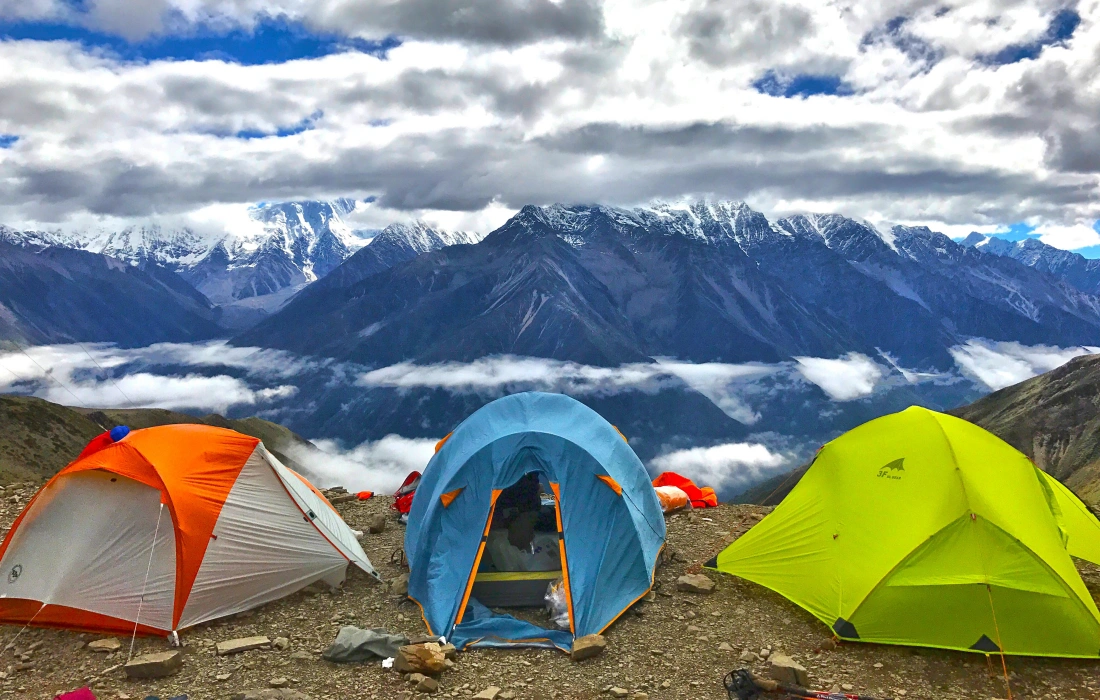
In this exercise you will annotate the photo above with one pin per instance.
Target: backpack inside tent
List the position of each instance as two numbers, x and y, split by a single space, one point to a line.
159 529
480 527
922 529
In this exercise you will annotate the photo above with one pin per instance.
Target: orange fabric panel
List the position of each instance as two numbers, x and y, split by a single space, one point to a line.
19 611
621 434
477 559
561 546
450 496
700 497
439 445
612 483
199 465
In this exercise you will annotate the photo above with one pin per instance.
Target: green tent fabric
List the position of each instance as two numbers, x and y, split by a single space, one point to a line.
1081 529
922 529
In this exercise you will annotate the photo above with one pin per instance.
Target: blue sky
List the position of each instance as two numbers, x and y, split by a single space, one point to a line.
270 40
187 111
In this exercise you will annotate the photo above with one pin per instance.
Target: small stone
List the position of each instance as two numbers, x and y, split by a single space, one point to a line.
420 658
223 677
878 665
506 695
377 524
105 645
270 694
725 646
427 684
666 684
449 651
158 665
787 671
749 657
640 696
490 693
847 687
301 655
588 646
280 682
236 646
618 692
400 585
24 666
280 643
695 583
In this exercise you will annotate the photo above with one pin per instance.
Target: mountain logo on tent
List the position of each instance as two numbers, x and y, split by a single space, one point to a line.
894 470
15 573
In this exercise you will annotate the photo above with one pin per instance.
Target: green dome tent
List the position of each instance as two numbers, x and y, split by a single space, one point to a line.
922 529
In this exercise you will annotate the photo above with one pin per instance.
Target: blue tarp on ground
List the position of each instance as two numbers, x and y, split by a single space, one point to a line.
611 540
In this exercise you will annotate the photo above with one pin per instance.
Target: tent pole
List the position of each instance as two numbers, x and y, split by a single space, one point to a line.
148 568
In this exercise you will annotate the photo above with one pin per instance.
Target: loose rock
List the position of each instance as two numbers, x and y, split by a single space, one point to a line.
618 692
588 646
400 585
377 524
489 693
787 671
236 646
105 645
280 643
695 583
420 658
270 694
159 665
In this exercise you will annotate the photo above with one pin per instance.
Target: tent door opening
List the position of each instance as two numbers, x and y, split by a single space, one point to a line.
522 554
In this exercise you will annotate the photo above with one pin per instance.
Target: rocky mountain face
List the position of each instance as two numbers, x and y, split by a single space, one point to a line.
58 295
1073 268
1054 419
250 274
706 282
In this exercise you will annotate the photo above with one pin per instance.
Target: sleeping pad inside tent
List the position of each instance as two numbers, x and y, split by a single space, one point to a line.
530 490
922 529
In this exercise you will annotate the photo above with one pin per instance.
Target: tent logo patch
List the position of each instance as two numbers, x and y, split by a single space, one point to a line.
894 470
15 573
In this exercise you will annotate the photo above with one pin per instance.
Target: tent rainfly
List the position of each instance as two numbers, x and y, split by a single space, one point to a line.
922 529
155 530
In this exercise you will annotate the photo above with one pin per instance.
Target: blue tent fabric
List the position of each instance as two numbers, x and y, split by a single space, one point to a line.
612 541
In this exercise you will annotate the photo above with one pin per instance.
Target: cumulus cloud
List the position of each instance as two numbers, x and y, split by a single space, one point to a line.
843 379
731 466
997 365
493 104
378 465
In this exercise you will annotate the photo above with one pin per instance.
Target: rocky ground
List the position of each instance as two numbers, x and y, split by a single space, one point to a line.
677 645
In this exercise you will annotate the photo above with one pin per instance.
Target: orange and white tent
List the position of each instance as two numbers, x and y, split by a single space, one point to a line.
159 529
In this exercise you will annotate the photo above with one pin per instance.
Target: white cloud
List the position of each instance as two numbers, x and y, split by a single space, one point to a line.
843 379
379 465
997 365
493 104
104 376
728 466
1072 237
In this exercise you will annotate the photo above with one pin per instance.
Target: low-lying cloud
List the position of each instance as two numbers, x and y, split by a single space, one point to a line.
997 365
846 378
378 465
729 467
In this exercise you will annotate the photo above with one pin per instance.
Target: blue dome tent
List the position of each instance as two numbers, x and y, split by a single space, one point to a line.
609 522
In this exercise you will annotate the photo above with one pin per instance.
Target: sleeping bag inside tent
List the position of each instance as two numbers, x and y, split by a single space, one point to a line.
922 529
530 489
160 529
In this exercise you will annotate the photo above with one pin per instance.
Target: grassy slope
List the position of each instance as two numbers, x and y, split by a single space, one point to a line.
38 438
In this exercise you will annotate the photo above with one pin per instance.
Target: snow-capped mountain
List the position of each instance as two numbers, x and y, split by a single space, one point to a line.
1074 268
703 282
286 246
709 281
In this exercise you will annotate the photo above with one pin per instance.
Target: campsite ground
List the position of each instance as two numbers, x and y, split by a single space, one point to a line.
667 648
